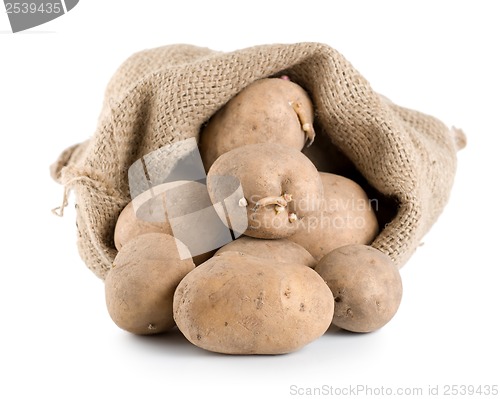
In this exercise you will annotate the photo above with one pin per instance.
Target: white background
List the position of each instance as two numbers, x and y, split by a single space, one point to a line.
57 340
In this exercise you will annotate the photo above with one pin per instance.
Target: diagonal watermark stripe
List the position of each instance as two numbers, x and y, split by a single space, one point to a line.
168 185
30 13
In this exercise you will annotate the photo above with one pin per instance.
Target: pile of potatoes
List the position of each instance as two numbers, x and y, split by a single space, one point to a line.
303 262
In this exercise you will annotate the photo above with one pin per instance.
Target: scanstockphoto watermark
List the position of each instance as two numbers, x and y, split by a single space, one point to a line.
337 204
354 390
342 213
23 15
364 390
169 188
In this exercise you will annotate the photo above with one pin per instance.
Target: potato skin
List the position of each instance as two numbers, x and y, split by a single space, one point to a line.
366 285
267 170
346 217
150 217
146 214
278 250
261 113
139 288
240 304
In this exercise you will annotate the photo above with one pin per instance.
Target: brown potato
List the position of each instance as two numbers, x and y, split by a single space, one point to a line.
149 212
278 250
270 110
240 304
280 186
145 214
347 216
366 285
140 286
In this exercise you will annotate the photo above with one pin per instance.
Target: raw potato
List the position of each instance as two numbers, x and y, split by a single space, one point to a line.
280 187
347 216
240 304
142 215
278 250
270 110
147 213
366 285
140 286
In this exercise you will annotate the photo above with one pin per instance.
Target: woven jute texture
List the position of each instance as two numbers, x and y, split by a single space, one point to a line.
163 95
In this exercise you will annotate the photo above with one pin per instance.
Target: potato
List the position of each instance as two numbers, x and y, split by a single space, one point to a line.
240 304
149 213
280 187
346 217
278 250
366 285
270 110
145 214
139 288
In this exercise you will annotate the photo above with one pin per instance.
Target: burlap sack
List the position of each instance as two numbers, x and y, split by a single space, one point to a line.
163 95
